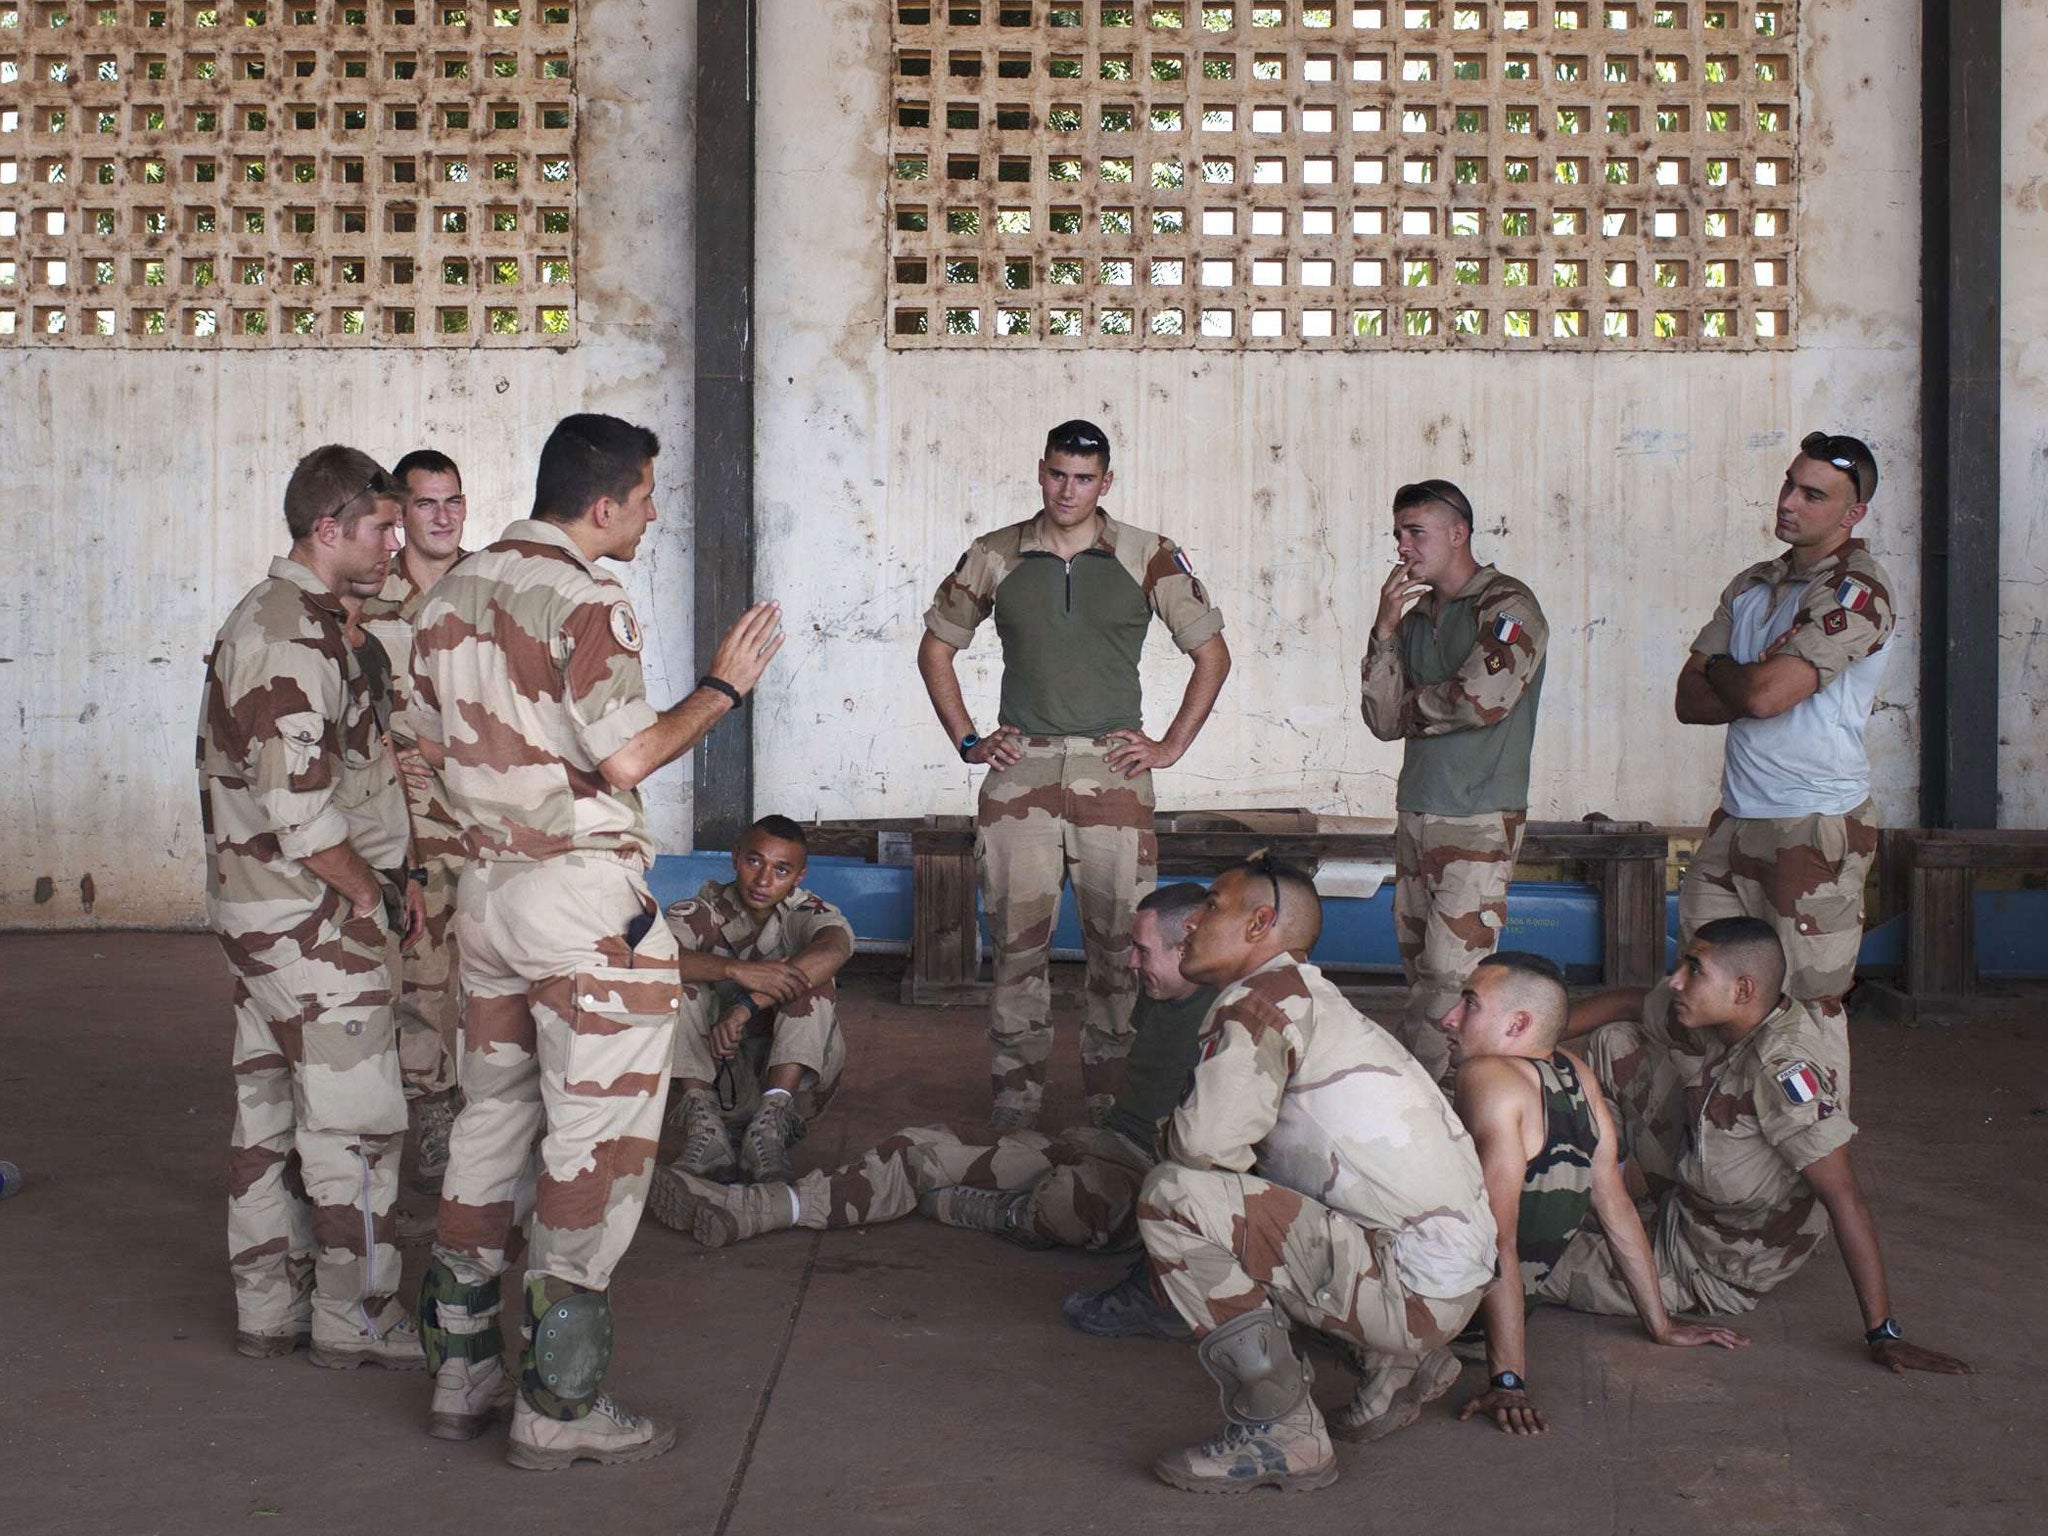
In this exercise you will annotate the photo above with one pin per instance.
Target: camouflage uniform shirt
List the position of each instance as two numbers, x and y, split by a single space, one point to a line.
1461 687
1072 630
292 761
526 667
718 923
1810 760
1299 1087
1756 1117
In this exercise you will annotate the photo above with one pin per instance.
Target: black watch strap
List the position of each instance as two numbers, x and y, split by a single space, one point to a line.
1509 1381
417 874
720 685
1888 1329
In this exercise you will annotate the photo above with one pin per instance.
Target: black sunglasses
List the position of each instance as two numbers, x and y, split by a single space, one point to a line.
1261 863
368 486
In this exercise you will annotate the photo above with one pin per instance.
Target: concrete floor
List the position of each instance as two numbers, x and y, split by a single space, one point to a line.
911 1378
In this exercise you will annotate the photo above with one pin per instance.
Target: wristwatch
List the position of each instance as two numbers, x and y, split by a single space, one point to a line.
417 874
1888 1329
1509 1381
967 744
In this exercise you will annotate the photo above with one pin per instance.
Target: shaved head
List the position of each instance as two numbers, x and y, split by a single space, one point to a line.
1255 911
1747 946
1531 984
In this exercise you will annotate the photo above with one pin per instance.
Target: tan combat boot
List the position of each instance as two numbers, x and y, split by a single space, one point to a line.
469 1397
1275 1437
764 1149
706 1151
719 1214
1001 1211
266 1346
1390 1394
395 1346
607 1434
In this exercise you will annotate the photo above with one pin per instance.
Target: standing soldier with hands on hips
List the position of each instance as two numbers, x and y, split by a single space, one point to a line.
1069 794
528 696
1454 671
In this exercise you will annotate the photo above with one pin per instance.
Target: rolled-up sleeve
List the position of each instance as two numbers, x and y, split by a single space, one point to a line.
1177 596
603 686
964 598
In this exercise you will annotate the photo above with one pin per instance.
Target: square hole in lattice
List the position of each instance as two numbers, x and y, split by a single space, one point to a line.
1542 130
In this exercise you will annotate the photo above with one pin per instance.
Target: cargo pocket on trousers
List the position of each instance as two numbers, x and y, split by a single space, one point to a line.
622 1037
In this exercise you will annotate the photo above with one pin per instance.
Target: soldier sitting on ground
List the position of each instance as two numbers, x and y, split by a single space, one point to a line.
1746 1150
1077 1189
758 1043
1319 1178
1547 1146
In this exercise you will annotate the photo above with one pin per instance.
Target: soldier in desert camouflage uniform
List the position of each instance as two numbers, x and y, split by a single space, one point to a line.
306 854
1548 1148
1454 670
1069 796
1078 1189
428 1013
528 697
1759 1164
758 1042
1317 1177
1790 663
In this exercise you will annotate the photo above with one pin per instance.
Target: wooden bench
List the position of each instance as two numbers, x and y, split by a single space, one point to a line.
1934 875
1628 859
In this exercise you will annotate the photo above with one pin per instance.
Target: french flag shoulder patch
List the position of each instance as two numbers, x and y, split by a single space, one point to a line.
1852 594
1801 1084
1507 629
1187 566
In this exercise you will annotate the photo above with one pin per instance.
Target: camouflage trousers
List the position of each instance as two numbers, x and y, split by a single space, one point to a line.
1083 1182
803 1032
1061 813
313 1154
1586 1277
1804 876
1223 1244
1450 908
568 1034
429 1007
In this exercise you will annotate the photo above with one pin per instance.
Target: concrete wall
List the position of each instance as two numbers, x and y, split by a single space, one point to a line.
2023 427
140 495
1625 488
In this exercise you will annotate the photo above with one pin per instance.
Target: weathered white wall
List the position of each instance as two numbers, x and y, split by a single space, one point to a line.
141 494
2023 428
1626 488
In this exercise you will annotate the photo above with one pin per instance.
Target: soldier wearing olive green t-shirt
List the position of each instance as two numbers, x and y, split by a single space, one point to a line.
1069 795
1454 670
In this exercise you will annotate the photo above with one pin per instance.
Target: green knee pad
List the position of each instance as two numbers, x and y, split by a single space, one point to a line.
568 1346
439 1288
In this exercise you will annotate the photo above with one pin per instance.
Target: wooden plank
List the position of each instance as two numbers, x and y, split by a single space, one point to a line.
1941 934
1943 850
942 922
1632 922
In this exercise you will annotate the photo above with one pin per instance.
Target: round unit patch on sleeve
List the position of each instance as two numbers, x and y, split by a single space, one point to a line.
625 628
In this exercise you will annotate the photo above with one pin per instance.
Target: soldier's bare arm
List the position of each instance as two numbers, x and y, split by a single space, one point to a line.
1383 680
942 684
742 656
1136 753
1762 689
1630 1244
1833 1178
1589 1013
344 869
1494 1099
819 960
771 981
1697 703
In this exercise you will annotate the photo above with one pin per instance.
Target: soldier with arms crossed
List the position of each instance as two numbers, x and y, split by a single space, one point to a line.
1078 1189
428 1015
1744 1148
1069 795
1454 670
528 696
1548 1147
1317 1177
306 858
758 1044
1790 663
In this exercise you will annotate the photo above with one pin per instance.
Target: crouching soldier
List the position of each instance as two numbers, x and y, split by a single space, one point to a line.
758 1048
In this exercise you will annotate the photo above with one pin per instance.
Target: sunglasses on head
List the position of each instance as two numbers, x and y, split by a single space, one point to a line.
1261 863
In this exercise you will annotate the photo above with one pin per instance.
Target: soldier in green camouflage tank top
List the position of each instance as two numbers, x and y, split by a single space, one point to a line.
1557 1189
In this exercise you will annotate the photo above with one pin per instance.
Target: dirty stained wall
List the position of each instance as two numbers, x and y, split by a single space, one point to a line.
2023 428
141 494
1626 488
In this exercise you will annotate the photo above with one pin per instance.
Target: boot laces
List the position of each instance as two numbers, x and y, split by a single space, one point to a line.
703 1131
